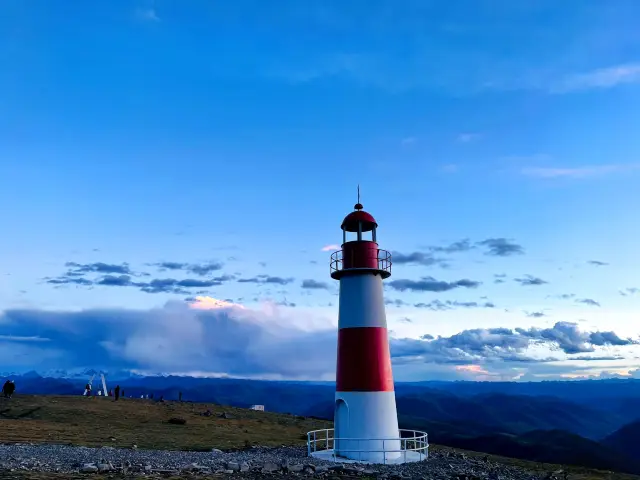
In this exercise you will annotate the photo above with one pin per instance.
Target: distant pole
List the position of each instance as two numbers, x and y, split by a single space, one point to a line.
104 384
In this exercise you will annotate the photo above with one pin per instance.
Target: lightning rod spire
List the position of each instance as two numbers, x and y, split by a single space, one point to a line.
358 205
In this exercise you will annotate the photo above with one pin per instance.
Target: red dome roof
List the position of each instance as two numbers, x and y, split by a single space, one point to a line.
350 222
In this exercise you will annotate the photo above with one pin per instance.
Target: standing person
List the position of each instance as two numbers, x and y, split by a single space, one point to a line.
11 387
117 393
122 393
179 396
5 389
87 389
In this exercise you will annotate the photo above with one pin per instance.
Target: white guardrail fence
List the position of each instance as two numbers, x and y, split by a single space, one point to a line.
414 447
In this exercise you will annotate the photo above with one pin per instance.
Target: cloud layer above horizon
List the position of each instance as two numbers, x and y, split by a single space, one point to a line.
211 337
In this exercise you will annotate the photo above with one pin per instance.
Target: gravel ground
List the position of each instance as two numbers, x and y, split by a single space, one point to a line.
256 462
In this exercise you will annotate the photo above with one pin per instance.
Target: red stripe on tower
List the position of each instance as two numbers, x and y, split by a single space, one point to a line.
364 363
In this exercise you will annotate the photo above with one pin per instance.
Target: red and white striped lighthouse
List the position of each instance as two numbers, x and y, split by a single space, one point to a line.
366 421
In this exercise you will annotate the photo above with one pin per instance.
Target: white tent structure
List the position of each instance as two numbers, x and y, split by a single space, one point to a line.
104 385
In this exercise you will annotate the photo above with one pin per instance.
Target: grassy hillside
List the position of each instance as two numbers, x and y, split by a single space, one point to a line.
626 440
101 421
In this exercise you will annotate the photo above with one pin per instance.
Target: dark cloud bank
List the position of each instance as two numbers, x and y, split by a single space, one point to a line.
439 305
121 275
496 247
242 342
101 274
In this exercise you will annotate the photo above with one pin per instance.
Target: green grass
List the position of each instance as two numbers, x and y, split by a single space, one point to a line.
100 421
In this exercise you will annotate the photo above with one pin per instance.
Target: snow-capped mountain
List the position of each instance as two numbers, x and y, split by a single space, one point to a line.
84 374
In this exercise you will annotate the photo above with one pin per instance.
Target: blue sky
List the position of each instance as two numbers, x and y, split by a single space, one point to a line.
494 142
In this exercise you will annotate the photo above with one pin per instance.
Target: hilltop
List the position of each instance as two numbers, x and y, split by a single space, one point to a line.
507 419
99 421
137 425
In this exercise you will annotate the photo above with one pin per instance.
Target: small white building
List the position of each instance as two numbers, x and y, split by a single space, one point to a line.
258 407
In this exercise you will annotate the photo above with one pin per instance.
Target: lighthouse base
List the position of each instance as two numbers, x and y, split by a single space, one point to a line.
405 457
366 426
414 447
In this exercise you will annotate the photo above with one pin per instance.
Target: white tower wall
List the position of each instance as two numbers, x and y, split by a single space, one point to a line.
368 418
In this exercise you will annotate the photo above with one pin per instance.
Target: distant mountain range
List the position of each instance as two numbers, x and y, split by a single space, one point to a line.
82 374
590 423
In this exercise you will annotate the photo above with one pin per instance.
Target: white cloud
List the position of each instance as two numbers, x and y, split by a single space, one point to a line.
608 77
468 137
577 172
533 158
209 303
273 342
147 14
330 248
13 338
451 168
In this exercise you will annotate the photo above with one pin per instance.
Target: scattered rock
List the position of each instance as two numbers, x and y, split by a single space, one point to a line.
89 468
295 468
246 463
269 467
177 421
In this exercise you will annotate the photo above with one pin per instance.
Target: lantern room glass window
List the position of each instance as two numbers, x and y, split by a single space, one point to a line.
359 236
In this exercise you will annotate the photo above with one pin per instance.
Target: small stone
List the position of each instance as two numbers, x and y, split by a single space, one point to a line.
89 468
228 471
269 467
104 467
233 466
244 467
295 468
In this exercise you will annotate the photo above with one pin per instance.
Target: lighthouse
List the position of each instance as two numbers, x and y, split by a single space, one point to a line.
365 417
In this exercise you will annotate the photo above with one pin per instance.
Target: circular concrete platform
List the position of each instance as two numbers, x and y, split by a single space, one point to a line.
406 456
